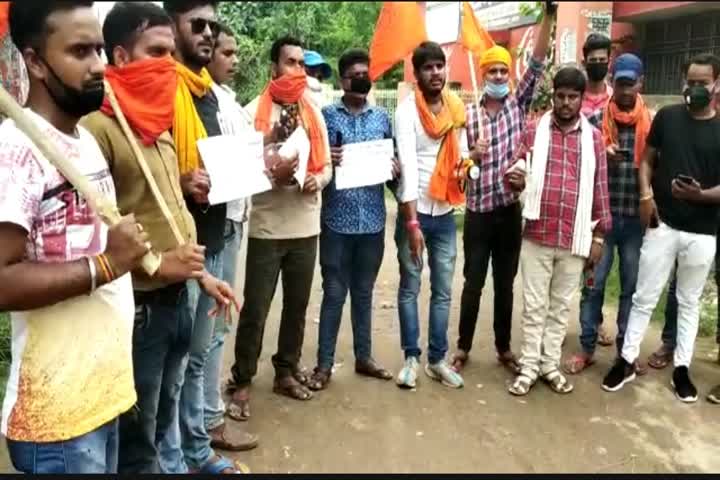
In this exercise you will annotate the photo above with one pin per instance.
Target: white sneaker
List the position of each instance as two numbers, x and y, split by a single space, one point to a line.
442 372
407 377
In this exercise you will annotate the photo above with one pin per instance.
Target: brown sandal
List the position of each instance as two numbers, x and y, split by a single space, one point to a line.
577 363
509 361
370 368
660 358
302 375
319 379
238 442
459 360
291 388
238 408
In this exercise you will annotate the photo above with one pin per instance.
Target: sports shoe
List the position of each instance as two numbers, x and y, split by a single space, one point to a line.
442 372
685 391
714 395
408 375
621 373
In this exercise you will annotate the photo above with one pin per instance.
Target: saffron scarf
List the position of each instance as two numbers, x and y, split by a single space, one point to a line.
444 186
188 127
289 89
146 92
638 116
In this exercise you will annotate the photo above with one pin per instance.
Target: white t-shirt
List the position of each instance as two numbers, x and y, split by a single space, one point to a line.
72 362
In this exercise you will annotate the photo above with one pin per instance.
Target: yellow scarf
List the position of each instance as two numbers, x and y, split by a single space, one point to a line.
187 126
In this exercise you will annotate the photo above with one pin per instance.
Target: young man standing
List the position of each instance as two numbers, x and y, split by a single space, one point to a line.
235 120
139 42
284 229
568 214
596 59
64 274
679 204
493 219
196 117
352 242
625 123
431 140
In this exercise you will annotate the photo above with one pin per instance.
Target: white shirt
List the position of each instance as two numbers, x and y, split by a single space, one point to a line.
418 153
233 118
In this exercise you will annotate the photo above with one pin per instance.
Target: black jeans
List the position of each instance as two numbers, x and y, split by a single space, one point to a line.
266 259
496 235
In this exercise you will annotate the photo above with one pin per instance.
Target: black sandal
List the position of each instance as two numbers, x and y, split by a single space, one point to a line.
319 379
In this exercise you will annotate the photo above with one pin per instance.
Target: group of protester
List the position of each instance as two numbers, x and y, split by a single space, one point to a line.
119 369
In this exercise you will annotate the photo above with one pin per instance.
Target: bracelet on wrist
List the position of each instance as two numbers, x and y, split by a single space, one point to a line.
93 273
412 224
105 267
647 197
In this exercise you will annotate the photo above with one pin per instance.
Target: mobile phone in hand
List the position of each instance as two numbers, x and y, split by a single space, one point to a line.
551 7
687 180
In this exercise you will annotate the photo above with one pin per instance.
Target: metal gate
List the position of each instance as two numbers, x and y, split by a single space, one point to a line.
668 44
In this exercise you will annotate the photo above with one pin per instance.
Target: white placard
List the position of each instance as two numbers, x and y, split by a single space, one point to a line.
235 165
364 164
297 144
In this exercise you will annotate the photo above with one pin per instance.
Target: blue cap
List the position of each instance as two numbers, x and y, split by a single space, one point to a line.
627 66
314 59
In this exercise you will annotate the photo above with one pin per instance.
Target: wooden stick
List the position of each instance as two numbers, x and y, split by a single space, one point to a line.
476 94
142 163
42 147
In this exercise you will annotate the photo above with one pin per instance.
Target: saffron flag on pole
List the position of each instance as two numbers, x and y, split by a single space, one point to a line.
4 9
399 29
472 35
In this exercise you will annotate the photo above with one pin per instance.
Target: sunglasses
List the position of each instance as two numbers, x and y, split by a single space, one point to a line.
199 25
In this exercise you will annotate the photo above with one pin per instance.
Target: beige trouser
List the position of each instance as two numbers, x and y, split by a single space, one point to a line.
551 278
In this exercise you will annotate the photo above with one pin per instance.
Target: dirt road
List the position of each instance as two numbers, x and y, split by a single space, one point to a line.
368 426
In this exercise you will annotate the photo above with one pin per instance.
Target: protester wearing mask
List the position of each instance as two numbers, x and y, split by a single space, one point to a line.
284 229
625 123
352 241
679 204
596 58
493 220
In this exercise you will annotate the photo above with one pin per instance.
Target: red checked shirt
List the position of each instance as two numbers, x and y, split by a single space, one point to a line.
558 204
504 131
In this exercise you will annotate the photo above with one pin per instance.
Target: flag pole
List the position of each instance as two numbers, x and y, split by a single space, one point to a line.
476 94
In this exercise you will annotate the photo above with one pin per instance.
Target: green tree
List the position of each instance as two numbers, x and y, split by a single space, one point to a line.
328 27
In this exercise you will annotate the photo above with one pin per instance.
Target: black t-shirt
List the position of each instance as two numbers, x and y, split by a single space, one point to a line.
691 147
209 220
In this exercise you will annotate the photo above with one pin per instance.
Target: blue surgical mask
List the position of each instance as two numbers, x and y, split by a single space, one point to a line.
497 90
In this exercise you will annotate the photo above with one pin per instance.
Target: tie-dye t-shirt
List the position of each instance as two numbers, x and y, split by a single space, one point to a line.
71 362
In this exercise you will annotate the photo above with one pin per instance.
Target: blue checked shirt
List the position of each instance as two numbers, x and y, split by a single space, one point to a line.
355 210
622 175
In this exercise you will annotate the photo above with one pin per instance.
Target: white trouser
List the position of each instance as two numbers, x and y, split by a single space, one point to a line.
551 278
661 247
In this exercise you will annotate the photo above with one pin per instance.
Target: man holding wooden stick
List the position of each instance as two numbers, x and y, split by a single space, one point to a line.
139 41
493 219
65 275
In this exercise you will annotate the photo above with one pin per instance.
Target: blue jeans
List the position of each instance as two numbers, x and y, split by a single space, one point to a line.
440 241
627 237
214 405
195 439
94 452
348 262
161 340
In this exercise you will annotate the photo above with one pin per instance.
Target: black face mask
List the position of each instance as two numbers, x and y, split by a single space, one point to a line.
697 97
596 71
74 102
361 85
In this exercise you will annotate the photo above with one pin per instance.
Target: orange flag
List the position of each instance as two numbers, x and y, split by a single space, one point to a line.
399 29
4 9
472 35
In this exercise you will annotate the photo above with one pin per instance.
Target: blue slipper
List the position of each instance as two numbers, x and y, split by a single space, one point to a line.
216 468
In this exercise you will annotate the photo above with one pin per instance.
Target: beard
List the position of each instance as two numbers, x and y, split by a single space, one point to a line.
191 54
